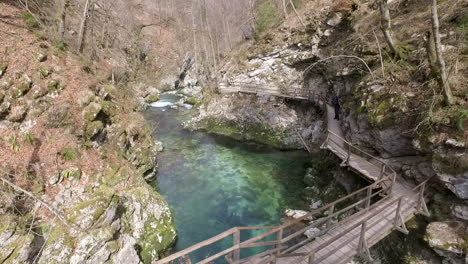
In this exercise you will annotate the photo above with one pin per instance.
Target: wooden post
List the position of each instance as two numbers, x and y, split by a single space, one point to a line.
382 172
329 213
399 222
279 242
368 199
349 155
236 242
312 258
362 246
422 207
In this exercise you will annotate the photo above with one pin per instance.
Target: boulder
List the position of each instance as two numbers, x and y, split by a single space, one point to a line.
17 113
447 240
460 211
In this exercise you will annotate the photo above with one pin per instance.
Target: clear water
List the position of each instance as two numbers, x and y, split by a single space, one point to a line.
214 183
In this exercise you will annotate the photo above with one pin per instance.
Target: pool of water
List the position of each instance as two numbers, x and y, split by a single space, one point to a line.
214 183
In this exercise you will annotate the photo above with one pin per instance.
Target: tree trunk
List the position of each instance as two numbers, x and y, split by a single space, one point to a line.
386 26
439 58
83 26
63 9
285 9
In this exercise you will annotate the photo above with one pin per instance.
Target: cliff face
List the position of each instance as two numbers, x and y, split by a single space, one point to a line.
74 158
391 107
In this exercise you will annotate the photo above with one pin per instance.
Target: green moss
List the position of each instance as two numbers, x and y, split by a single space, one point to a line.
152 98
92 129
74 173
251 131
96 205
61 45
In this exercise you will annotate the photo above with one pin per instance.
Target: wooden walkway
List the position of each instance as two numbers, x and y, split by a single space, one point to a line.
336 232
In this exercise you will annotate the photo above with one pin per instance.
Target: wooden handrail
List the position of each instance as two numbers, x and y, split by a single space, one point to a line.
274 229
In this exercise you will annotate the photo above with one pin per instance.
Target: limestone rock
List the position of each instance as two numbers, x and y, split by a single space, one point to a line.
460 211
17 113
92 111
446 238
127 253
335 19
148 219
41 57
313 232
295 214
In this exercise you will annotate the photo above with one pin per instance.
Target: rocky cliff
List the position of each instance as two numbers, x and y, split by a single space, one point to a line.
74 158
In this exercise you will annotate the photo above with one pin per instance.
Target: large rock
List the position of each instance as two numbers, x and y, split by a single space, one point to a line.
447 240
149 221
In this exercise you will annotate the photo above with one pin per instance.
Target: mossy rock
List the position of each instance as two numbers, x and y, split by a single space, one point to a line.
152 98
71 173
92 111
25 84
44 72
109 108
54 85
59 245
149 219
93 128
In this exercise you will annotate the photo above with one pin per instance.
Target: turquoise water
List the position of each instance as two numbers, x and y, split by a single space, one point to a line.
214 183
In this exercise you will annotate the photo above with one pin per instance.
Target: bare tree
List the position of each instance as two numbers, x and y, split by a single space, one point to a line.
386 26
439 58
84 19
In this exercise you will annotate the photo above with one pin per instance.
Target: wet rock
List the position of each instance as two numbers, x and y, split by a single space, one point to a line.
159 146
17 113
446 239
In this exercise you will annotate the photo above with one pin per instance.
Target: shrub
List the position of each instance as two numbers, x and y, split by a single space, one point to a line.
69 154
30 138
30 21
61 45
267 18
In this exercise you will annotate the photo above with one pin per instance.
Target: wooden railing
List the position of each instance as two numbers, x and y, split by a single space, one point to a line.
346 149
340 211
398 223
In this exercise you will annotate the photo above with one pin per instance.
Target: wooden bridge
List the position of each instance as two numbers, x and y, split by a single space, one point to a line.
334 233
